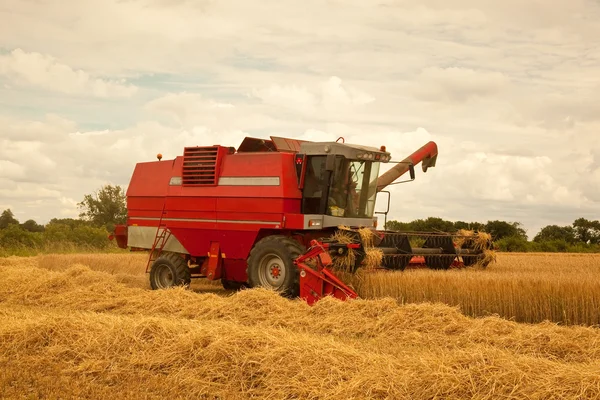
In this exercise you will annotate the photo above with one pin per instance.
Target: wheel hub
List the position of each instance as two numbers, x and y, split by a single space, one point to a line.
275 271
165 277
271 271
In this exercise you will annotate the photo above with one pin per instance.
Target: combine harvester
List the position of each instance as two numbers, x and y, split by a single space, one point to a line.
264 216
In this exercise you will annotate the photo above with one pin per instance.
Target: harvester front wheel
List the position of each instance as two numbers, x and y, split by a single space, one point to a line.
271 265
169 270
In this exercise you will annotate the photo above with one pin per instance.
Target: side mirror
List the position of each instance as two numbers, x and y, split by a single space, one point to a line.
330 162
411 170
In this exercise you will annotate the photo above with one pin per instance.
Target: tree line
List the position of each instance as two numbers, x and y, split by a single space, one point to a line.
103 209
99 213
582 235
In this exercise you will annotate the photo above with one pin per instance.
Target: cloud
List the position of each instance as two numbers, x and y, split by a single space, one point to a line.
182 107
52 128
458 84
510 98
11 170
289 96
331 98
45 72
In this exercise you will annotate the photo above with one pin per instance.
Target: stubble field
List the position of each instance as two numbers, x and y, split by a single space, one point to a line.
86 326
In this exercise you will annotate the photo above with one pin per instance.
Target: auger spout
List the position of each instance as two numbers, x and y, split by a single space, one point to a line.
427 155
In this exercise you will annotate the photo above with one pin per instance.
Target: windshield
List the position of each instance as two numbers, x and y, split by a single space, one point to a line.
352 187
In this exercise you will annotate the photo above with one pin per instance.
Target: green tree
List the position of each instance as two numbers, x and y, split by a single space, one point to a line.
70 222
433 224
587 231
7 218
106 207
555 232
32 226
397 226
470 226
515 243
13 236
503 229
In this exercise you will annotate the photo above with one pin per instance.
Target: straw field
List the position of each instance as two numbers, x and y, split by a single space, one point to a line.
86 326
527 287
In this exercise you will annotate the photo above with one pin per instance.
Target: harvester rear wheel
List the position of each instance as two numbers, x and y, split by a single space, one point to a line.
169 270
271 265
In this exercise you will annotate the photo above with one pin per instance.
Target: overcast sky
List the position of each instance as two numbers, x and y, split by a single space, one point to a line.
509 90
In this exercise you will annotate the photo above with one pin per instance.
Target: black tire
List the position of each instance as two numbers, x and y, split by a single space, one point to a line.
169 270
233 285
271 265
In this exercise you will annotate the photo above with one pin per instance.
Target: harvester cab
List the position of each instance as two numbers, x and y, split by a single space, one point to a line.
339 180
245 216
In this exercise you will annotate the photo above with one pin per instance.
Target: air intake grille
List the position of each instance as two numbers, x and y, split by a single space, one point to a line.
200 166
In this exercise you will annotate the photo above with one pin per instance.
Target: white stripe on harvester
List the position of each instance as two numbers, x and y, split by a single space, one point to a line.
207 220
249 181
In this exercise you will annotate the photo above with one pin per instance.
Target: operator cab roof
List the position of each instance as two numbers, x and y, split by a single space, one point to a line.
286 145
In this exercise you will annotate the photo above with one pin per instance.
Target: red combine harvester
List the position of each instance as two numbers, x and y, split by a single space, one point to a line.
247 216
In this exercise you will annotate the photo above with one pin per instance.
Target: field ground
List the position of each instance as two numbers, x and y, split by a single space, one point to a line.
525 287
86 326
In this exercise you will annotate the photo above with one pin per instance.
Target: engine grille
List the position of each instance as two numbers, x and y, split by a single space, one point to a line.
200 166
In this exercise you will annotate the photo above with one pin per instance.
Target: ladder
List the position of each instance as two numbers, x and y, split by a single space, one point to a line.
160 240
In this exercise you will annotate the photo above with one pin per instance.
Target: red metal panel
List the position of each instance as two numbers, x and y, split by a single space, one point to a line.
236 244
294 221
244 217
196 241
120 234
286 144
292 206
250 204
213 270
145 202
141 222
256 164
191 215
150 179
192 225
201 202
234 270
237 226
235 191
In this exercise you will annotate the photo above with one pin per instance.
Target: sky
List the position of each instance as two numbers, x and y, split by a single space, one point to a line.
509 91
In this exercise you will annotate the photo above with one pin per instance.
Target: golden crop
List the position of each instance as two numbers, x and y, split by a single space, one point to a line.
85 326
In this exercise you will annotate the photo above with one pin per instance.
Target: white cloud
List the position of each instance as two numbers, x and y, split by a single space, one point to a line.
11 170
293 97
43 71
51 128
185 107
331 98
510 98
335 94
458 84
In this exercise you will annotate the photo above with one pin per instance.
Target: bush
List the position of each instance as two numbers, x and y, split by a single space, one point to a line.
79 235
15 236
57 237
96 238
513 243
553 246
